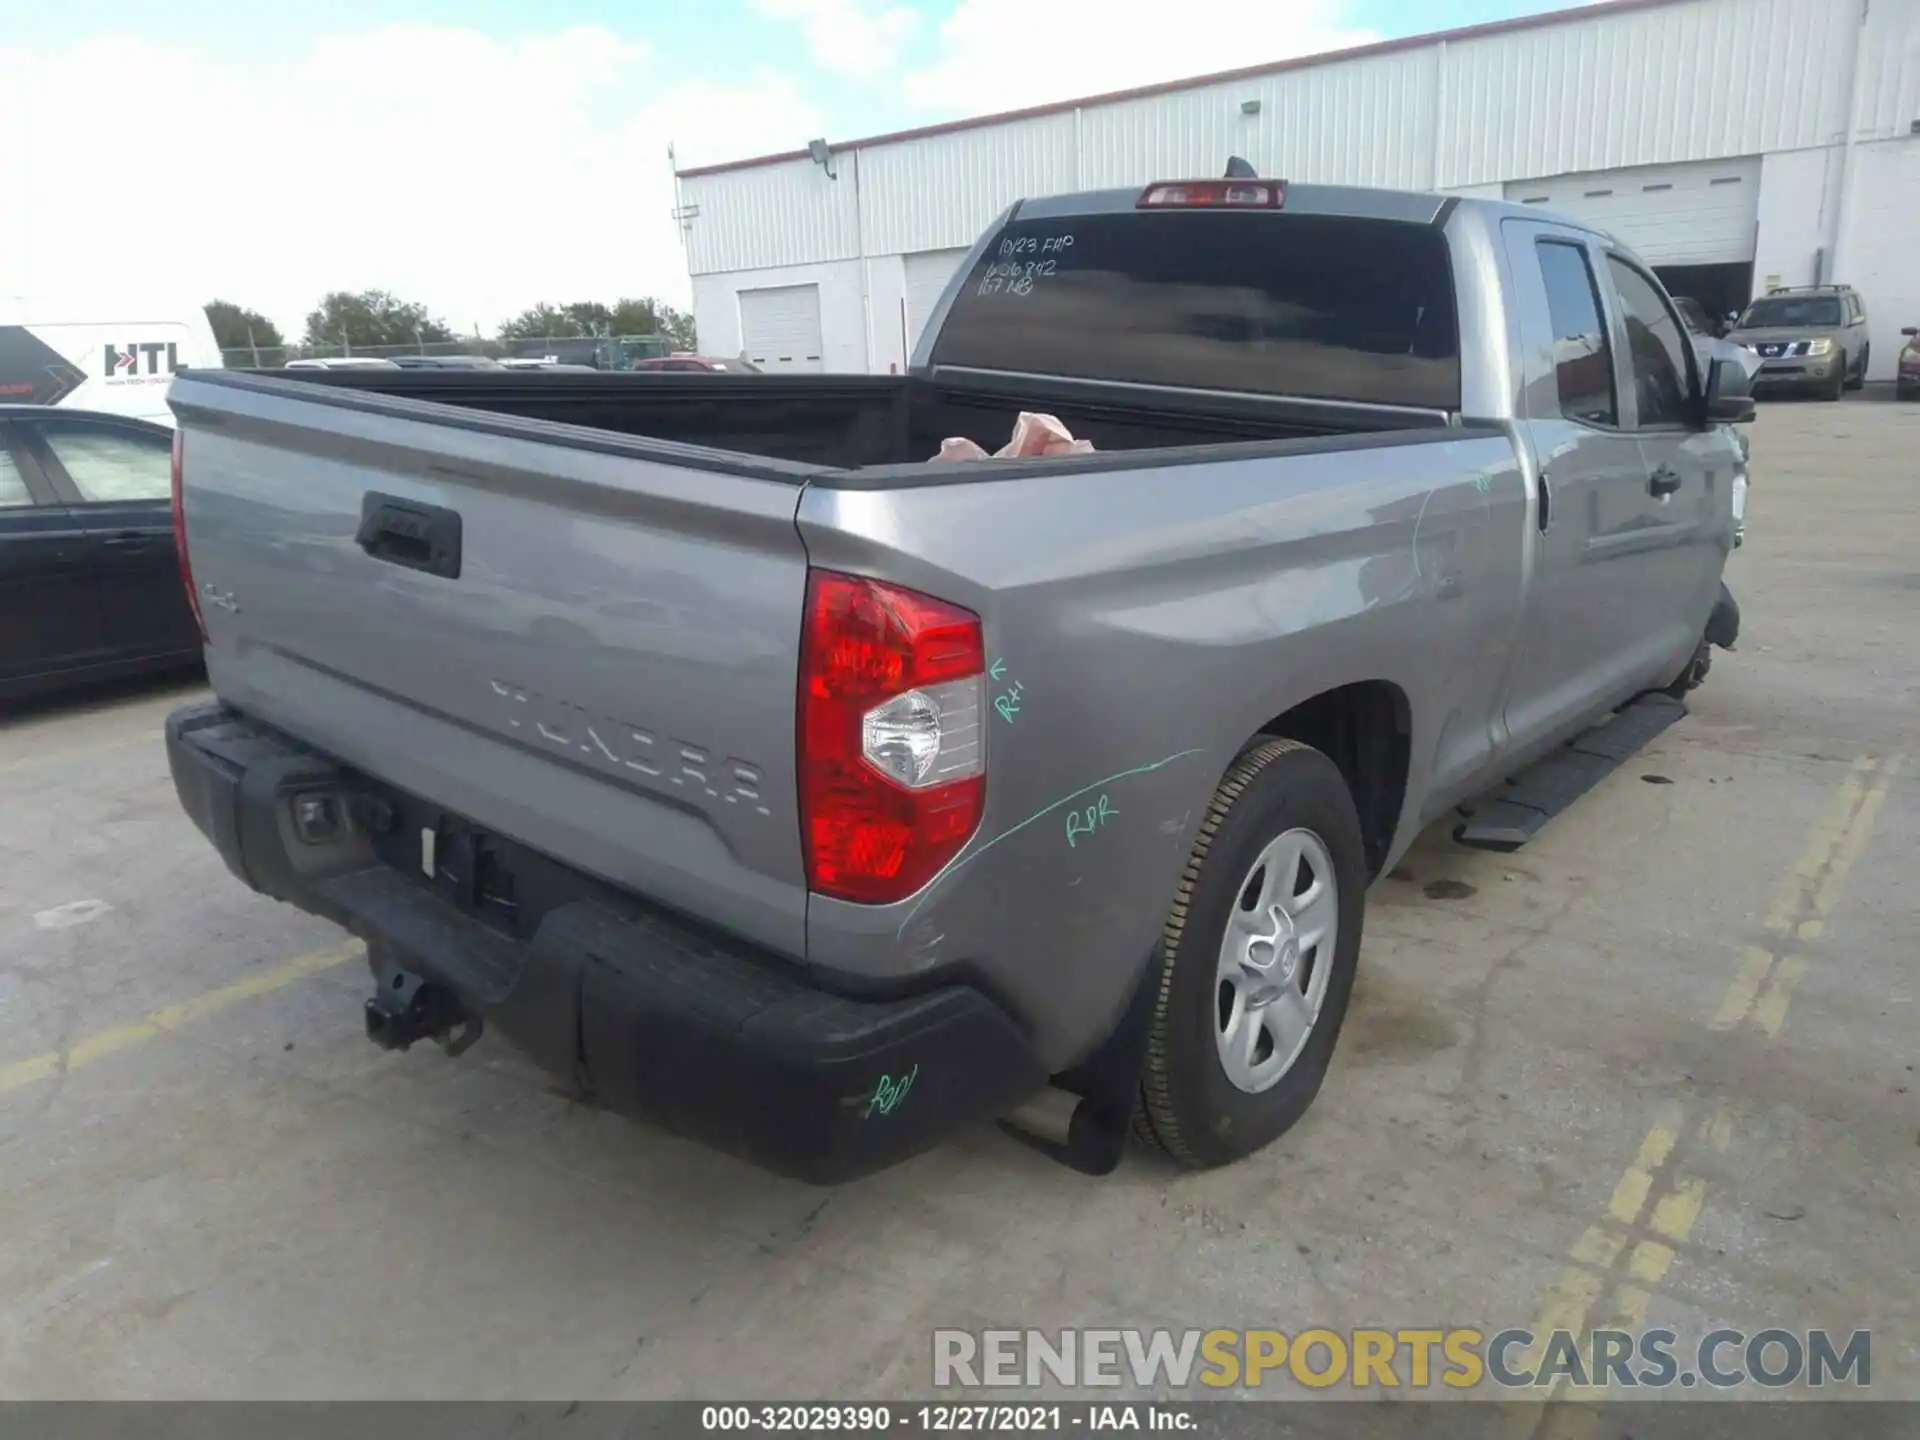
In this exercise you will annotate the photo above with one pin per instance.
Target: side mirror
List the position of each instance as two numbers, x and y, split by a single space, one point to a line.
1911 332
1729 399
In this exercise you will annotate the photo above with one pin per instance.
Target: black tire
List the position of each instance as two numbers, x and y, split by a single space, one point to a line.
1859 379
1839 386
1188 1107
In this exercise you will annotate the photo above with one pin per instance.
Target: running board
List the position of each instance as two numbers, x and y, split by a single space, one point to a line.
1509 818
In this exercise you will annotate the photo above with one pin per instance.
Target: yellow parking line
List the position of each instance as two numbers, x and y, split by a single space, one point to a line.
1855 841
1788 899
1636 1182
1760 991
102 1043
1738 1001
1762 986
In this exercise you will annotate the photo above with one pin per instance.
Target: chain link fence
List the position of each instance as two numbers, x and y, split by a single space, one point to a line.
257 357
614 352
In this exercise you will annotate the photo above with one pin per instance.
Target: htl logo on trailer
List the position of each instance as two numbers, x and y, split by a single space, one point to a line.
123 367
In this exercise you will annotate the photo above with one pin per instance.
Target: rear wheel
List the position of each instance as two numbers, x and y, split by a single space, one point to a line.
1259 949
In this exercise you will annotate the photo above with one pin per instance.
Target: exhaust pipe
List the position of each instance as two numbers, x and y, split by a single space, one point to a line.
1079 1132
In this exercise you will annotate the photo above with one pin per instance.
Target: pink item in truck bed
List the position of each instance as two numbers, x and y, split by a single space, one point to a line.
1032 435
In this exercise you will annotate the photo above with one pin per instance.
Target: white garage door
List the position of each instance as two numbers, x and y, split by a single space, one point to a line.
781 327
1695 214
927 275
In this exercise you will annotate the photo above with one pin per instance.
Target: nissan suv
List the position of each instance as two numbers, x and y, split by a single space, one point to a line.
1807 338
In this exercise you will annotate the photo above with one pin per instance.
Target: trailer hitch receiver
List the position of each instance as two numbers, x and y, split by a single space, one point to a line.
406 1007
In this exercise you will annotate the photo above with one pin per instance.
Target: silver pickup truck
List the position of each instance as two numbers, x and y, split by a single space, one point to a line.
762 778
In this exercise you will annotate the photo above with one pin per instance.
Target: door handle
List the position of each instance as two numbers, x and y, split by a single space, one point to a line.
1663 481
409 534
130 540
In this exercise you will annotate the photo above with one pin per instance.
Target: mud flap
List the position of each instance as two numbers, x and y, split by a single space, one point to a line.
1723 625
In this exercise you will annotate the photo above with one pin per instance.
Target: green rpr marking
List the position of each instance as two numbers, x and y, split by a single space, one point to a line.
888 1094
965 860
1085 822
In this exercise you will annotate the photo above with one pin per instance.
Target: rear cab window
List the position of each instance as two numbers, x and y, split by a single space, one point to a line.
1257 302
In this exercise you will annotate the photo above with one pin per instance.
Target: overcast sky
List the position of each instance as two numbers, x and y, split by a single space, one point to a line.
482 155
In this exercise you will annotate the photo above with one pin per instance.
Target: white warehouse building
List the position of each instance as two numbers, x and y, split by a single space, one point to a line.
1738 145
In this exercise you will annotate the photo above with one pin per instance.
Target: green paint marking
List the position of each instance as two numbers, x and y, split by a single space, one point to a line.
1009 704
888 1094
965 860
1085 822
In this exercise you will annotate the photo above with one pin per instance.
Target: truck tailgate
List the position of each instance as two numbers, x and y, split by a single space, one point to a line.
561 635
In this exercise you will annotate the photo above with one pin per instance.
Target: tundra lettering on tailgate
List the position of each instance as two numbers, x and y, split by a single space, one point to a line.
626 746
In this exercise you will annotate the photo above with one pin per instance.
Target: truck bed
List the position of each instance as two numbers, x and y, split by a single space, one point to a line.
847 422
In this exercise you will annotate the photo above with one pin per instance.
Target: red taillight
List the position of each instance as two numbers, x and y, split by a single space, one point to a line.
180 541
1215 194
892 771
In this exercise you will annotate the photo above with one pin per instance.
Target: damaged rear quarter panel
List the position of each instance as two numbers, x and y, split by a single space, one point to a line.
1142 624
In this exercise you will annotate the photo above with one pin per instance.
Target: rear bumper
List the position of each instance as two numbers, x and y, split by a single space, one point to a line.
657 1017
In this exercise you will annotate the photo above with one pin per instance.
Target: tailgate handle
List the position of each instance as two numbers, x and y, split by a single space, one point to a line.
405 532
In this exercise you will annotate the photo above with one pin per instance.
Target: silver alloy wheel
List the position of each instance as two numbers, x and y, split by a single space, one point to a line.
1275 959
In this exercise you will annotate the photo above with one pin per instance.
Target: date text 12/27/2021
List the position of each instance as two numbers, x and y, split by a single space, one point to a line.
946 1419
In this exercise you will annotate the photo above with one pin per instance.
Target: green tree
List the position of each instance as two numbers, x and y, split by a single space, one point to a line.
628 316
542 322
591 317
371 319
647 316
246 337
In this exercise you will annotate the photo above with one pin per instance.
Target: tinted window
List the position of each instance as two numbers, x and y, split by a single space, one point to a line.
1657 348
1268 303
13 485
1785 310
109 463
1582 355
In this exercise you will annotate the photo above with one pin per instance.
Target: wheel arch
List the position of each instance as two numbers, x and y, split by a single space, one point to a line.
1366 728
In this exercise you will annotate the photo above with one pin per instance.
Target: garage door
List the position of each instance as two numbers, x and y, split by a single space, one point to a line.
1695 214
781 327
927 275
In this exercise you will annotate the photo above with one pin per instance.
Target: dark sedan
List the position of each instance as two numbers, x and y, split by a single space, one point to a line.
89 583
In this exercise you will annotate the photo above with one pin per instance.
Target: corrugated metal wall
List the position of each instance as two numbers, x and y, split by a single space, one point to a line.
1680 82
1695 80
1358 122
1889 79
942 191
772 215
